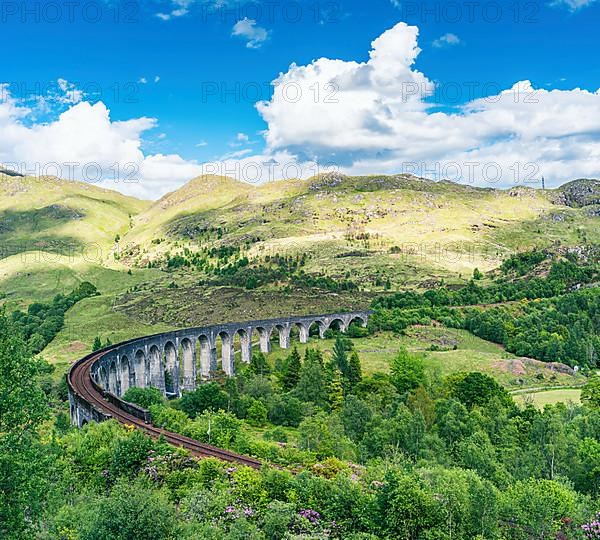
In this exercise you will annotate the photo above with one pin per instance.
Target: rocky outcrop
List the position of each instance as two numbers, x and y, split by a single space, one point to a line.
579 193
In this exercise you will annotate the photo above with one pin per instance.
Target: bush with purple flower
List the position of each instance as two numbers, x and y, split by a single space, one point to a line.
591 530
311 515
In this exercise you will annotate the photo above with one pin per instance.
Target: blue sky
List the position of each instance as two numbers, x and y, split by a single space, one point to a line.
197 67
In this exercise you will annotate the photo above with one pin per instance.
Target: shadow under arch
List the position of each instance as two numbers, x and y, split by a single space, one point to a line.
188 364
208 357
126 375
225 361
171 369
156 375
264 338
113 379
244 340
139 369
316 329
358 320
337 325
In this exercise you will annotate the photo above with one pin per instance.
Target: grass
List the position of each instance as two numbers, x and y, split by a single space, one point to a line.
441 229
36 212
567 226
549 397
192 305
56 233
90 318
32 277
471 354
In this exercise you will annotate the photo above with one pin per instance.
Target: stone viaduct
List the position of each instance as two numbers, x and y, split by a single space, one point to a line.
179 360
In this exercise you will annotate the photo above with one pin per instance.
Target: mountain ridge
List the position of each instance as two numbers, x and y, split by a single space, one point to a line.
387 217
378 225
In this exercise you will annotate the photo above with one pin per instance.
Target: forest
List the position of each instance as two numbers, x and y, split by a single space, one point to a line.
551 318
406 454
402 455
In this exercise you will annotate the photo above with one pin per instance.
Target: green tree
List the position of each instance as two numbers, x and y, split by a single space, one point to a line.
208 396
477 388
468 504
314 354
356 416
235 403
259 364
405 507
256 414
85 290
133 511
37 343
22 410
219 428
144 397
539 508
169 418
293 365
335 389
354 370
339 356
408 371
325 436
130 454
590 393
286 410
453 422
588 471
312 385
97 345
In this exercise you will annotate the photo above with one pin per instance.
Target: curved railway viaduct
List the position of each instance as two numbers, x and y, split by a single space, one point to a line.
177 361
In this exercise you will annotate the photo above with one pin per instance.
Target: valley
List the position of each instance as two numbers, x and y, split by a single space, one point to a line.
484 308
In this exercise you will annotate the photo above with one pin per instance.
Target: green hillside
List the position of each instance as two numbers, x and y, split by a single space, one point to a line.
219 249
399 227
55 233
431 402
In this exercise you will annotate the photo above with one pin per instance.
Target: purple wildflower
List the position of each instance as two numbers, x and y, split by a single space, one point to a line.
311 515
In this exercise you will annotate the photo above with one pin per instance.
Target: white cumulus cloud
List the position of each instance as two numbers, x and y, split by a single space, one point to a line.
372 117
573 5
446 40
83 143
254 35
363 117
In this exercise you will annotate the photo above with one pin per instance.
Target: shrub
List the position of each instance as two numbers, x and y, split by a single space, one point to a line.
144 397
257 414
206 397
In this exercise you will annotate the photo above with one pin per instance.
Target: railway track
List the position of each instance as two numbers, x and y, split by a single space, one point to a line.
81 381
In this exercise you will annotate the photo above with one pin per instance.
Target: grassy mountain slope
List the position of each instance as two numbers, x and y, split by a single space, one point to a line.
406 230
400 226
55 233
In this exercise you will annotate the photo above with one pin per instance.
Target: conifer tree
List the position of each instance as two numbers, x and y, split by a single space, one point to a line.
97 344
259 364
340 356
312 386
354 370
335 389
292 370
314 354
